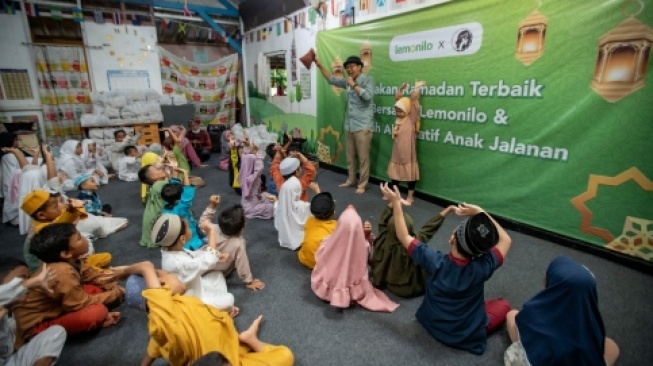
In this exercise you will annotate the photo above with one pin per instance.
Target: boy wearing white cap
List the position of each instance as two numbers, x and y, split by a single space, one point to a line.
296 165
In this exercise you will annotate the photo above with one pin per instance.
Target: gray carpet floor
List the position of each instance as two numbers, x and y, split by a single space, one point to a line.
319 334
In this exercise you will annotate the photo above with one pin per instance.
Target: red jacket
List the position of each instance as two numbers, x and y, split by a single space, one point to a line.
199 139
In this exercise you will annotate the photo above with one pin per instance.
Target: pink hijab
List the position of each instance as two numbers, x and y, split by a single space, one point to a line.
340 274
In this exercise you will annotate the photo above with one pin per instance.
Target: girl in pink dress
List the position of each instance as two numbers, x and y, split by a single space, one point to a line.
340 274
403 162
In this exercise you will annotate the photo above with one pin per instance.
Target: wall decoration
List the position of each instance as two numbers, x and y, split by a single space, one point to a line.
64 90
211 87
560 141
15 84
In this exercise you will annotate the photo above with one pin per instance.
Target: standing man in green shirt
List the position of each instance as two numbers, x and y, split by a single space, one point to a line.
359 122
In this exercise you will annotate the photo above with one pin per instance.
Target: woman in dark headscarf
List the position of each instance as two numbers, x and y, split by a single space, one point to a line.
392 268
562 324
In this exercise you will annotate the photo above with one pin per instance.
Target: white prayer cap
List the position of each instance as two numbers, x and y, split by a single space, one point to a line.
289 165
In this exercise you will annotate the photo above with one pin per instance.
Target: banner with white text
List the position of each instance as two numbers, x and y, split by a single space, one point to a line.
540 112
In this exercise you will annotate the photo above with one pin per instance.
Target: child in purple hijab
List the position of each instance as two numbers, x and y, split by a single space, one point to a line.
257 204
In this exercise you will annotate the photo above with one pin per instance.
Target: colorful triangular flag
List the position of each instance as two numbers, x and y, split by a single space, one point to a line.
278 29
78 15
9 7
32 10
136 19
55 13
98 16
117 18
182 28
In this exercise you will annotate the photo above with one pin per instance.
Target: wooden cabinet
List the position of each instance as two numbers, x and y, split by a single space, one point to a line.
149 133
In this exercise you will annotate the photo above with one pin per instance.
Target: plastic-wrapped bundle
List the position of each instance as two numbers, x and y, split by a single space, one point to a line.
96 134
116 100
94 120
112 112
153 95
98 98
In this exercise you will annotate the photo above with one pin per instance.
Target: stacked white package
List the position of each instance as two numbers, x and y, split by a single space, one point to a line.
124 107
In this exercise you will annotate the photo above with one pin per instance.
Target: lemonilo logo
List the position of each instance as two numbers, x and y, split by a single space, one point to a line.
421 47
458 40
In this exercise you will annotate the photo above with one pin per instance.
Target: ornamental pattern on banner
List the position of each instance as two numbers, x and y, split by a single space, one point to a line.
211 87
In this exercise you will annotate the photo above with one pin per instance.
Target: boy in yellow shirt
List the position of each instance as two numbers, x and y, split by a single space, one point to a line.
320 225
183 329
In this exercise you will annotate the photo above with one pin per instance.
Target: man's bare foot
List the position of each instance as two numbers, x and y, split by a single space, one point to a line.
360 190
250 335
234 312
112 318
345 185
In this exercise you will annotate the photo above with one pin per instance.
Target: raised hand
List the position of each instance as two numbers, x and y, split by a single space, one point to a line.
391 195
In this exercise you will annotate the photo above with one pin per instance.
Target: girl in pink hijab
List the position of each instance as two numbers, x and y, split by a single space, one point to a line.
257 205
340 274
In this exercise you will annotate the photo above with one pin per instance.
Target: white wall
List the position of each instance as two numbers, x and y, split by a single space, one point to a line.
18 56
121 48
305 40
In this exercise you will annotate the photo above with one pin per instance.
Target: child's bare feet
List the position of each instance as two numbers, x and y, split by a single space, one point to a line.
234 312
250 335
112 318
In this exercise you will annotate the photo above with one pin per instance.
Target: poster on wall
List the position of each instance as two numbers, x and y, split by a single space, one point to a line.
122 47
128 80
211 87
15 84
517 115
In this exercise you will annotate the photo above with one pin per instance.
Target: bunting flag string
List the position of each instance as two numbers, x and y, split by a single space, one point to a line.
117 19
8 7
182 28
56 13
78 15
32 10
98 16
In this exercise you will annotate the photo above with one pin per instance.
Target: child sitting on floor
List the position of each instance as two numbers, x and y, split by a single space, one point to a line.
87 187
562 324
183 329
47 208
391 269
453 310
92 159
195 269
179 201
44 348
320 225
230 240
122 140
129 164
291 212
100 223
80 294
340 275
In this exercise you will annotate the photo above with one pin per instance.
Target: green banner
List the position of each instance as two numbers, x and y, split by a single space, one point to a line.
541 112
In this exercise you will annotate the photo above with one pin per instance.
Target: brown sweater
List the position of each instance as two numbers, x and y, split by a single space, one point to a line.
68 296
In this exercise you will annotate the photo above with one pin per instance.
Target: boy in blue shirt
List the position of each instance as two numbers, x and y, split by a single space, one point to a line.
453 310
179 201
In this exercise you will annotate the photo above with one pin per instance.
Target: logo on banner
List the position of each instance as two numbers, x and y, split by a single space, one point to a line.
458 40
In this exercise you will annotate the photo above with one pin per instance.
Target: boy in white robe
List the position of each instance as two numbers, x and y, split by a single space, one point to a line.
129 165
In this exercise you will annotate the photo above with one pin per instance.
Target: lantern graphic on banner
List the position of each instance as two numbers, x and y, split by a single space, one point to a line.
624 53
336 69
366 56
531 37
